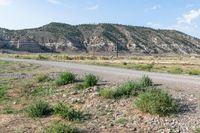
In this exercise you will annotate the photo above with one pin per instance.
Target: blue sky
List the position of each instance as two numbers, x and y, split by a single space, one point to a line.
183 15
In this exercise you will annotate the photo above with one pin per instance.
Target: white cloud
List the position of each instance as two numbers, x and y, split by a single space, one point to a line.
189 17
155 7
54 1
94 7
5 2
187 23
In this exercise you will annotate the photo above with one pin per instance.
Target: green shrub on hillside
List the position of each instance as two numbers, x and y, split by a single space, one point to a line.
155 101
66 78
127 89
39 109
130 88
90 80
107 93
67 112
146 81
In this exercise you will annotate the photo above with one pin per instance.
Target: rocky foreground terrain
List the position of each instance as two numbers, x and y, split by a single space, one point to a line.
22 89
103 38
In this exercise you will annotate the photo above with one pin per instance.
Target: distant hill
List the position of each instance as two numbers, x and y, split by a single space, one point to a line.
107 38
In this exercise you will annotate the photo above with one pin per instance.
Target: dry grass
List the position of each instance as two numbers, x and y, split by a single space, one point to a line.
169 64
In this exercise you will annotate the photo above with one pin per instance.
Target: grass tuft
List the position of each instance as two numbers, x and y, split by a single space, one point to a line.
42 78
197 130
107 93
127 89
60 128
3 93
65 78
146 81
90 80
155 101
39 109
67 112
130 88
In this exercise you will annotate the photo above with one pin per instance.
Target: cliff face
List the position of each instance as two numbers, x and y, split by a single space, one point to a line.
58 37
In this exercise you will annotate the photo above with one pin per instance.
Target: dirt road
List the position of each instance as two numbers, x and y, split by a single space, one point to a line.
118 75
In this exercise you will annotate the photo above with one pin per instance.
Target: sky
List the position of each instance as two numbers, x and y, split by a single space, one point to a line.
182 15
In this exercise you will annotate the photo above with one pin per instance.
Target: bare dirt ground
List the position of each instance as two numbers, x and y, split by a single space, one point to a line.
114 115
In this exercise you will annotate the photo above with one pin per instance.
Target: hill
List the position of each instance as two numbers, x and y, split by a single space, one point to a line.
103 38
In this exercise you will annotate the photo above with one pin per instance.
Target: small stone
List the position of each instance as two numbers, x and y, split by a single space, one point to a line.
134 129
111 124
75 100
96 88
103 127
74 93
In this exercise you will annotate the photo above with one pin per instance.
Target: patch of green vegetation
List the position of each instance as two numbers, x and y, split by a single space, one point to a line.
107 93
146 81
194 72
146 67
121 121
66 78
130 88
4 65
9 110
60 128
3 93
27 87
124 63
155 101
127 89
67 112
41 91
79 86
41 57
42 78
39 109
176 70
90 80
197 130
16 67
4 62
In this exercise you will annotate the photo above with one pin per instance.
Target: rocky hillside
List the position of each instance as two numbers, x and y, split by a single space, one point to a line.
107 38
